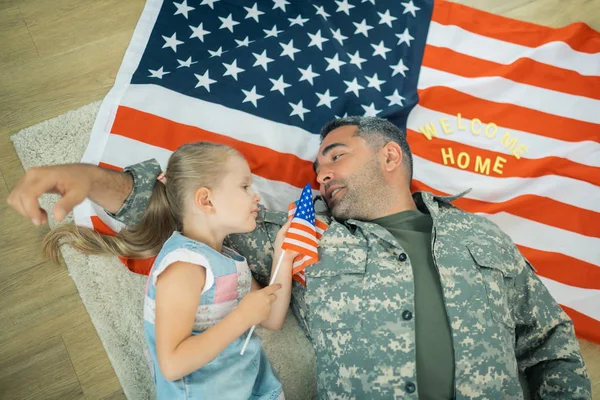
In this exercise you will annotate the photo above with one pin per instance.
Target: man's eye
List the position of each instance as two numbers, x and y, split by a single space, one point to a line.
334 158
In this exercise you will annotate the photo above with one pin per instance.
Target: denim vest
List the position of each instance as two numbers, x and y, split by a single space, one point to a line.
229 375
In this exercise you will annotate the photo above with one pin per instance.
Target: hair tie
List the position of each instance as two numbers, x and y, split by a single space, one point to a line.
162 178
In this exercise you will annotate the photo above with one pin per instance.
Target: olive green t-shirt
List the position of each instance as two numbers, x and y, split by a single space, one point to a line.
435 360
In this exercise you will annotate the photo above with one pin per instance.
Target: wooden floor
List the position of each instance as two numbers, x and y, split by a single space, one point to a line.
58 55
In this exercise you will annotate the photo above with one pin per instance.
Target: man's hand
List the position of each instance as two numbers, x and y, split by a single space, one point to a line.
73 182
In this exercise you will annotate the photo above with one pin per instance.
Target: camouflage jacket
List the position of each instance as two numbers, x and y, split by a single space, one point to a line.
357 307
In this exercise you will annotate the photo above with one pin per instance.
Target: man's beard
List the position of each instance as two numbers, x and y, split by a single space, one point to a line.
364 194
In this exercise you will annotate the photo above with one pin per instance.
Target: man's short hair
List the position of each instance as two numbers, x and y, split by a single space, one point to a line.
377 132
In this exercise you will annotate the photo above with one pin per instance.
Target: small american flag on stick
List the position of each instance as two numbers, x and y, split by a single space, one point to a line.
303 234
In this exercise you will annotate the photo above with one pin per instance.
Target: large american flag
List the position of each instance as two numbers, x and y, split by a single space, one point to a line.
507 108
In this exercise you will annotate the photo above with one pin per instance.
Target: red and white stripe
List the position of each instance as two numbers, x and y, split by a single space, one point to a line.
303 238
539 84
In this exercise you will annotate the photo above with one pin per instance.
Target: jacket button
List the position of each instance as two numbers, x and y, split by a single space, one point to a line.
402 257
410 387
406 315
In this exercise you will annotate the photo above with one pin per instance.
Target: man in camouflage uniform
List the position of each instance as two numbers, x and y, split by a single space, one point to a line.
411 298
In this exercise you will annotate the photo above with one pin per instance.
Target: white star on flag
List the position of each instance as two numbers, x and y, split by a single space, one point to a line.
386 18
321 11
362 28
289 49
198 32
159 73
232 70
272 33
375 82
171 42
187 63
344 6
337 35
217 53
334 63
210 3
380 50
400 68
317 40
370 111
410 7
204 81
353 86
253 12
325 99
252 96
404 37
299 110
279 85
228 23
298 21
356 59
262 59
245 43
395 98
280 4
307 74
183 8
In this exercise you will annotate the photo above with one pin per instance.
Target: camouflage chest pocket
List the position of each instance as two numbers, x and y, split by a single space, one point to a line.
497 273
335 288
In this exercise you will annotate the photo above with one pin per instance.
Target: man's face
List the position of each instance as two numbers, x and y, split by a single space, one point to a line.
349 173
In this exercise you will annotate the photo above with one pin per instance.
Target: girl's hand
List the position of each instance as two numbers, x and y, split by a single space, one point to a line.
255 307
289 254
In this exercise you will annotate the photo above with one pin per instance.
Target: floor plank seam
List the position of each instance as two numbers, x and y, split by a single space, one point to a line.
30 35
4 181
73 365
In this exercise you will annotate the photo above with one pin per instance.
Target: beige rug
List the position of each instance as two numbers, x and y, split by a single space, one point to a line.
113 296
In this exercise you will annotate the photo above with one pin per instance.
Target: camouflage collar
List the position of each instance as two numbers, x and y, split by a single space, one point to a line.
425 201
430 200
445 199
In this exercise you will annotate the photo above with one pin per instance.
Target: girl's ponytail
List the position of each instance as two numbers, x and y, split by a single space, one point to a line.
190 167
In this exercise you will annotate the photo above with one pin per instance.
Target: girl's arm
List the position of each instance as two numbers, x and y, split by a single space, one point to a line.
280 306
178 291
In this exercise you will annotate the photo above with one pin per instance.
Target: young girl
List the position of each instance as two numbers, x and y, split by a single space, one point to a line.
200 299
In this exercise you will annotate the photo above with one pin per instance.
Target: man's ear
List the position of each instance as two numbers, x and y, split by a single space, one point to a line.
392 154
203 200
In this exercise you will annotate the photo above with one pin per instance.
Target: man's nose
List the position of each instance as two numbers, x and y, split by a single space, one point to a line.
323 176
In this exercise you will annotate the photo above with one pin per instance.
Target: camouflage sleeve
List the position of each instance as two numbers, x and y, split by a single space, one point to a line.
144 178
257 246
546 347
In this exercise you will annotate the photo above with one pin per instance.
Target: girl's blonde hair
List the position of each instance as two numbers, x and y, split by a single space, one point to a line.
190 167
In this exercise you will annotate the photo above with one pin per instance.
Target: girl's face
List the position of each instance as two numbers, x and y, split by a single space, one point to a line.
235 202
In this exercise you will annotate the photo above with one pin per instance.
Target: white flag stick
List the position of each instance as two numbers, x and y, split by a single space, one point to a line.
270 283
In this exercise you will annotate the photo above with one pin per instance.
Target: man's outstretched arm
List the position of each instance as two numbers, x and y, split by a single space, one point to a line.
115 191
